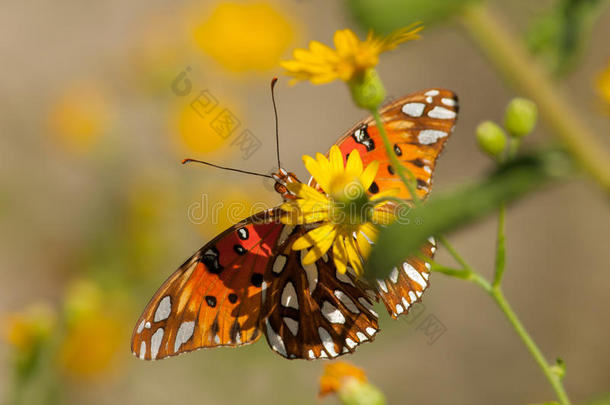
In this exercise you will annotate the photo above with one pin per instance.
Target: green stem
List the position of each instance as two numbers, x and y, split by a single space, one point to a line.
500 247
498 296
395 162
517 65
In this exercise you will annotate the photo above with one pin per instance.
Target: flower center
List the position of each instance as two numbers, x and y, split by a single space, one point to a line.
351 206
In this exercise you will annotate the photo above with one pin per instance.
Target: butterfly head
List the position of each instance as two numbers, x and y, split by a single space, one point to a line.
283 177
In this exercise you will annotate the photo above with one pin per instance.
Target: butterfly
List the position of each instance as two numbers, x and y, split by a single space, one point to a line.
248 281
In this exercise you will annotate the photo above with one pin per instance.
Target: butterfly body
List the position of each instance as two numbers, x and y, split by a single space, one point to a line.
248 281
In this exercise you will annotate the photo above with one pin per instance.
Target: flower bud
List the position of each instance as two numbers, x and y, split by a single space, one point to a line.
356 392
520 117
491 138
367 90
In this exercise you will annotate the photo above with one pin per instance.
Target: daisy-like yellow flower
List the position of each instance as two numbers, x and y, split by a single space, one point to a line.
351 59
348 221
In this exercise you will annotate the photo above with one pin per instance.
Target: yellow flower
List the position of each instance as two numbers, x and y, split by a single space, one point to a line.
26 329
348 221
79 116
351 59
603 84
245 37
337 374
204 128
94 331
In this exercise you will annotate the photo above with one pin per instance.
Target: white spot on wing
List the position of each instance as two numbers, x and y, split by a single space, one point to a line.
332 314
383 286
413 109
278 264
441 113
289 296
275 340
405 303
147 325
368 306
311 354
414 275
345 300
155 343
361 337
431 93
164 309
286 231
394 275
142 350
311 271
430 136
449 101
350 343
292 325
344 278
141 326
412 296
371 331
327 341
185 331
399 309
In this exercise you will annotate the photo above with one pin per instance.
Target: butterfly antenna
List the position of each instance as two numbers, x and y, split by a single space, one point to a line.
277 135
226 168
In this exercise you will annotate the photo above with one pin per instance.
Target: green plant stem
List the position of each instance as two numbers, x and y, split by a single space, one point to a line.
500 247
395 162
497 295
518 66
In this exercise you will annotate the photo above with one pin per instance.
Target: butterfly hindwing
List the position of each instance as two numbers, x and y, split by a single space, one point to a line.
311 310
418 126
214 298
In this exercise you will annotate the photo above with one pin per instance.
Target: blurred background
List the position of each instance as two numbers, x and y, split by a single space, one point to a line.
97 211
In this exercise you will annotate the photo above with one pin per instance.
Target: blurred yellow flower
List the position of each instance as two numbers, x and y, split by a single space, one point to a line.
337 374
204 128
95 331
603 84
245 37
25 329
79 116
352 58
91 345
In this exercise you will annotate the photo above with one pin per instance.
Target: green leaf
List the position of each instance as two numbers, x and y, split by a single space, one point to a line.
384 16
449 211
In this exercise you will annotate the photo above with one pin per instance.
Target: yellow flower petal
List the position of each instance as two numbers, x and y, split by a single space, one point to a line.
320 248
366 237
353 255
313 237
336 161
340 255
354 164
321 64
369 174
305 191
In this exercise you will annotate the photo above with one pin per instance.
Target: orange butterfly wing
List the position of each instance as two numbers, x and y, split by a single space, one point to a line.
214 298
418 126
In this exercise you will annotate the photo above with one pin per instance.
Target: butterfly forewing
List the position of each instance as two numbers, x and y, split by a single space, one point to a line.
214 298
417 126
311 310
